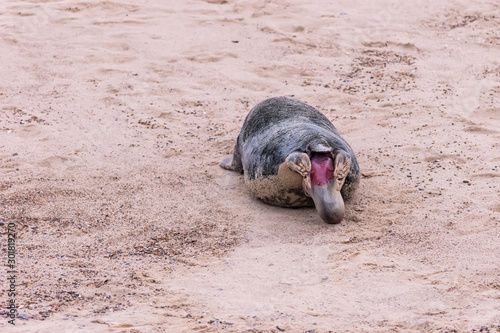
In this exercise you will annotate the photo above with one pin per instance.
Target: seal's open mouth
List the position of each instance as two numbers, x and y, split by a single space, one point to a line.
325 188
322 169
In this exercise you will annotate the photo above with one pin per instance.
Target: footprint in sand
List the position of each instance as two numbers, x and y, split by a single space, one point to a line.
205 57
495 208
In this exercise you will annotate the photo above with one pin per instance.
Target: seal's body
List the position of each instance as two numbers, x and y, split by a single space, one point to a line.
293 156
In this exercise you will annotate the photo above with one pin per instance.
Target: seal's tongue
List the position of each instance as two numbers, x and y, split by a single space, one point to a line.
321 170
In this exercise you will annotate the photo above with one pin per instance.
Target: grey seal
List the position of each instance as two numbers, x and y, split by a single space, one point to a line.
291 155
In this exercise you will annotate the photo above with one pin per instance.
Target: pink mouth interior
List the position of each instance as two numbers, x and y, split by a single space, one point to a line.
321 170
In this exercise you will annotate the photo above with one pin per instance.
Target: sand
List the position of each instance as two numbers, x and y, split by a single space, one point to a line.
114 116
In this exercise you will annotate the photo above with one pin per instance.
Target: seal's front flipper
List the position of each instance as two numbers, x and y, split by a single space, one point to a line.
299 162
342 166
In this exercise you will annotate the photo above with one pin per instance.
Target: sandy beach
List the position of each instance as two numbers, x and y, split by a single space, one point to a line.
114 116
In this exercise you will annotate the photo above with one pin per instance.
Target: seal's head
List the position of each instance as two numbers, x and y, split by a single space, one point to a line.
324 182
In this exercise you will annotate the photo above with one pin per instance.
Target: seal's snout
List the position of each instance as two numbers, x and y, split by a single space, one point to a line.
332 215
329 202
